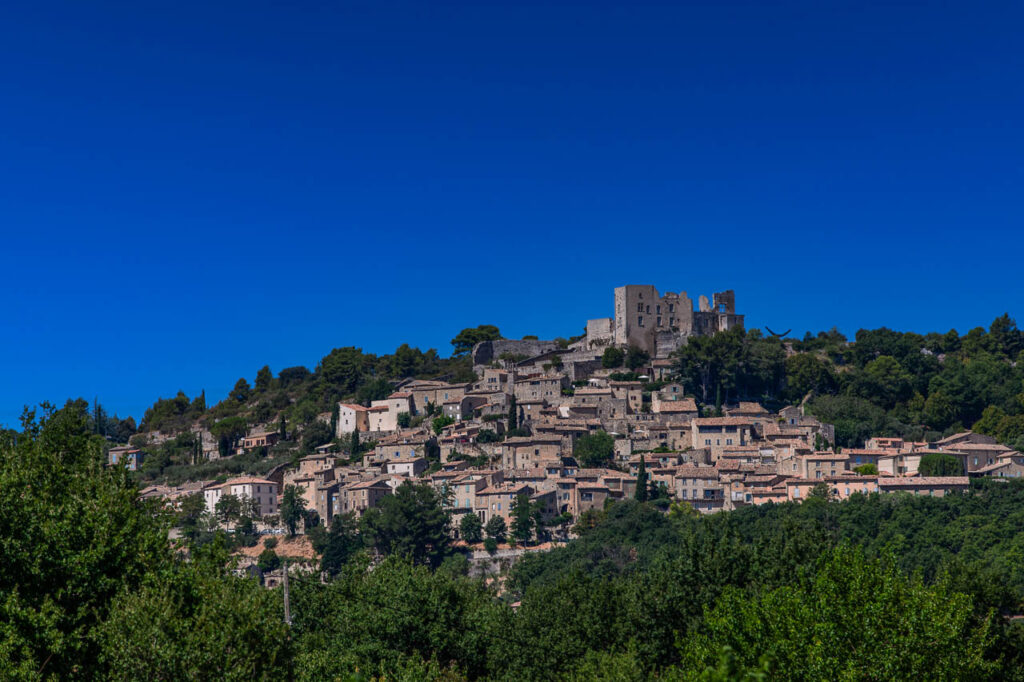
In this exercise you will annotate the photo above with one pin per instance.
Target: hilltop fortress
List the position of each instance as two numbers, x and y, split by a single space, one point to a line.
657 323
661 323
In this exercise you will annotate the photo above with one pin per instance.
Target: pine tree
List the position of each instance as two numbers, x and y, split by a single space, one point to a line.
641 481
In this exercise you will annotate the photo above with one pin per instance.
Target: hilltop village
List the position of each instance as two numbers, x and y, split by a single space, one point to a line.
570 426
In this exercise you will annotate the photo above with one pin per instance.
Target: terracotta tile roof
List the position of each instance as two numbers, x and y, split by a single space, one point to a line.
722 421
244 480
924 481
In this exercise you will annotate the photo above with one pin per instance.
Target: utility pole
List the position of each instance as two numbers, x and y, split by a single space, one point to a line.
287 609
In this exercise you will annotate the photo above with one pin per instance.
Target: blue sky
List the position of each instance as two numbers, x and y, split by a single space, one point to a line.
189 191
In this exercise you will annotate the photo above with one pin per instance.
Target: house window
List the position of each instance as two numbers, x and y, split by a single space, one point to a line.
707 441
659 322
639 307
640 320
671 307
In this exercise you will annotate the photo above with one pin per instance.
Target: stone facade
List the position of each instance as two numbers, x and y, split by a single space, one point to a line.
660 324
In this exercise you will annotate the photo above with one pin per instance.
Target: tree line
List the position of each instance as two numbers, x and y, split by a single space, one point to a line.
882 383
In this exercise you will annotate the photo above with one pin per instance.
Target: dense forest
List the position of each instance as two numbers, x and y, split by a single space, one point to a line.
878 587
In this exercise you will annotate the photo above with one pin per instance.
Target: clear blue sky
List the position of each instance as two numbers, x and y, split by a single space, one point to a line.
189 191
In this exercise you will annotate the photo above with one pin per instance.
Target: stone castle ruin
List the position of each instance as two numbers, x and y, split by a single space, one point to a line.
660 324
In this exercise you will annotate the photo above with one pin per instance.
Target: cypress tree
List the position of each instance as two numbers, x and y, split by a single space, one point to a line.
641 482
283 428
513 414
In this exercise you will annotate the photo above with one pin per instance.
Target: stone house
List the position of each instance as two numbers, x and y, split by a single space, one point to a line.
680 408
498 500
840 487
719 433
351 418
264 492
540 387
130 456
934 486
527 451
363 495
700 487
263 439
409 467
814 466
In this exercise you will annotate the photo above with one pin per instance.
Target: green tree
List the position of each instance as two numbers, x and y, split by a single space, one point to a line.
831 627
316 434
228 432
282 428
268 560
440 422
190 509
411 523
264 379
513 414
641 482
469 337
377 388
940 464
228 507
496 529
195 623
635 358
73 534
470 528
241 391
522 519
342 370
338 545
487 436
869 469
939 411
612 358
293 506
806 373
396 622
594 449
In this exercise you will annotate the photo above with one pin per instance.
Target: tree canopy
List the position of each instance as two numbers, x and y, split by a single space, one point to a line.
469 337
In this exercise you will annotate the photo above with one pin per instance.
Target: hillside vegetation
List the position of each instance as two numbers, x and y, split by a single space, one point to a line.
880 587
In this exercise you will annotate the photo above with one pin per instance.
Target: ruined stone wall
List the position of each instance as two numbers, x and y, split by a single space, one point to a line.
600 332
486 352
